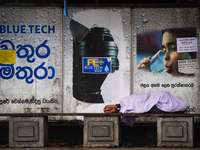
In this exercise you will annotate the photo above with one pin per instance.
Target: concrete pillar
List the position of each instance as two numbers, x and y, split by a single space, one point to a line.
28 131
101 132
175 131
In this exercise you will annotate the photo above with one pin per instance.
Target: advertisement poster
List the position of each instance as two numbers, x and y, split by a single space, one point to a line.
96 58
30 60
166 43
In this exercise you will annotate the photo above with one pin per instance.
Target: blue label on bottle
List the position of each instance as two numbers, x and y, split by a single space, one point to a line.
96 65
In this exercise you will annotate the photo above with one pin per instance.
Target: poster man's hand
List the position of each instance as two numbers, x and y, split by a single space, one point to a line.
145 64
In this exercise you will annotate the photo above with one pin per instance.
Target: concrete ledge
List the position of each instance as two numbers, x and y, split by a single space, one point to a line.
101 132
175 131
28 131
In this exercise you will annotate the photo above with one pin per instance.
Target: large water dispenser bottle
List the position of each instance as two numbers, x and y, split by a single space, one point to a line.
98 43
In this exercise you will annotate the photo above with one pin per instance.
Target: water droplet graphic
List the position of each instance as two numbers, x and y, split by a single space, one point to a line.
106 68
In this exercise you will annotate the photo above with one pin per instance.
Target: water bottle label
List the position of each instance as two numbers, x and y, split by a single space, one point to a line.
96 65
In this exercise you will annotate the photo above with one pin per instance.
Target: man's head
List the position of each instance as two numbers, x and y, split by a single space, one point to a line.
169 46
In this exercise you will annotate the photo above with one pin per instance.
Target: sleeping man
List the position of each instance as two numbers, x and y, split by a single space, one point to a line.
153 102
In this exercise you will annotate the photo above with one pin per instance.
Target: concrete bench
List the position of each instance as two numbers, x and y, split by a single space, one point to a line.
173 130
100 129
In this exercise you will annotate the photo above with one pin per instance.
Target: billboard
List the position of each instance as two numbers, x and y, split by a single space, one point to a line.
30 55
93 34
166 43
95 57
